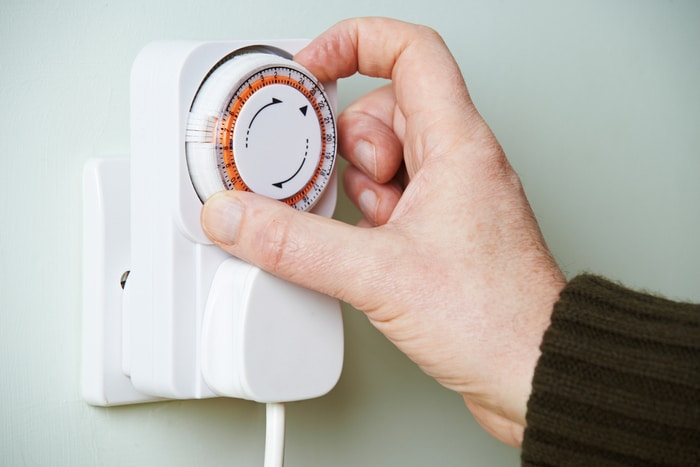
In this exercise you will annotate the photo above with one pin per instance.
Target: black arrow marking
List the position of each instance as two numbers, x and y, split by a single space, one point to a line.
274 101
304 109
279 184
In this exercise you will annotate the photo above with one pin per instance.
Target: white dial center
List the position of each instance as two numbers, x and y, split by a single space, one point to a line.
277 141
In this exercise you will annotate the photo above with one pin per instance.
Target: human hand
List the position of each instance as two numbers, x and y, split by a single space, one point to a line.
454 269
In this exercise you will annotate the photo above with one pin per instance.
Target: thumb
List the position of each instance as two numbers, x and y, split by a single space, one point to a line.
309 250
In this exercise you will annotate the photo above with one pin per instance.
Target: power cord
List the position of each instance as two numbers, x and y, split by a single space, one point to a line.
274 435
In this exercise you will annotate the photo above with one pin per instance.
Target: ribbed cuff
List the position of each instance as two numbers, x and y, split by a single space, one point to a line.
618 381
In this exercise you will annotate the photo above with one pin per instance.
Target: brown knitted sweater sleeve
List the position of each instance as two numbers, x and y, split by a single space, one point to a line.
618 381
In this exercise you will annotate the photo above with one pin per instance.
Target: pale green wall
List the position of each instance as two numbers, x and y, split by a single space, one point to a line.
597 104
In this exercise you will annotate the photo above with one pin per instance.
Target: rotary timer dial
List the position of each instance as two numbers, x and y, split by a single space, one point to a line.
260 122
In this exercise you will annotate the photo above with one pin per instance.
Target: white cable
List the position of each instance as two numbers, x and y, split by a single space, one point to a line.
274 435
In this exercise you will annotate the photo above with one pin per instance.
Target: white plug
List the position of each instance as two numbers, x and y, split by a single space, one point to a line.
269 340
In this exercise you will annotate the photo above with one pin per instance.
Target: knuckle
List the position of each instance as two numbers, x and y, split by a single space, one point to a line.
429 33
276 245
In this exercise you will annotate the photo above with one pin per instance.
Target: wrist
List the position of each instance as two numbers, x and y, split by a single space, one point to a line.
519 370
501 406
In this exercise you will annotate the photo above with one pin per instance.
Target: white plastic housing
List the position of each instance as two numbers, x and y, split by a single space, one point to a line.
106 256
268 340
173 264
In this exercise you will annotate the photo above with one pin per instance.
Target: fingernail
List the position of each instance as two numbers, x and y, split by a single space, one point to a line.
365 155
221 217
368 205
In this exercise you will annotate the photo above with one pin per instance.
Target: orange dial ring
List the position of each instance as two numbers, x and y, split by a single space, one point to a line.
230 116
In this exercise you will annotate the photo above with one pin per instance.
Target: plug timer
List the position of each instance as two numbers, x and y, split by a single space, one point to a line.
193 321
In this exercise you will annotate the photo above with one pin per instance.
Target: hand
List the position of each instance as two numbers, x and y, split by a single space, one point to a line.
454 270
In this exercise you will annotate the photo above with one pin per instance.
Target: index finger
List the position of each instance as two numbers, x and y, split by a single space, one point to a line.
425 75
